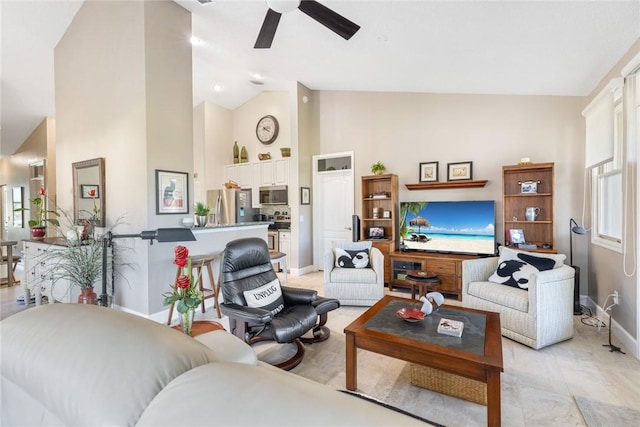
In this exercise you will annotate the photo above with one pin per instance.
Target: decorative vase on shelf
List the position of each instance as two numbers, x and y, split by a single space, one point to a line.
38 232
201 220
186 320
87 296
244 157
236 152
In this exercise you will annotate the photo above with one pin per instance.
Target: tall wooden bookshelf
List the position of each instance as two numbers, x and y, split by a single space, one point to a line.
529 185
380 193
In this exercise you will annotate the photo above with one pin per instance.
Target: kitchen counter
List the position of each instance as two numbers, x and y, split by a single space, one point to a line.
209 228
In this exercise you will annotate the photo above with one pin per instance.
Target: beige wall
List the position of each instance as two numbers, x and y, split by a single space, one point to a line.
606 267
123 92
403 129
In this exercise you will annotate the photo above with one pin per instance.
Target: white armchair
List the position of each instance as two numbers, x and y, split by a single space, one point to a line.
354 286
537 317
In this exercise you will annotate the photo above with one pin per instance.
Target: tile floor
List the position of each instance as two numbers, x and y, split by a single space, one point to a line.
538 387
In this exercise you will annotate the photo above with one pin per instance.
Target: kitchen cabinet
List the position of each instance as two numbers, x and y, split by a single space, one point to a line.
284 242
258 174
39 268
274 172
240 173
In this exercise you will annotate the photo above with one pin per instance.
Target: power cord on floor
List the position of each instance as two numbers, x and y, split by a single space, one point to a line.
589 320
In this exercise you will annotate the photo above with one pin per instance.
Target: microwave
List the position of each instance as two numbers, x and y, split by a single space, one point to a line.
274 195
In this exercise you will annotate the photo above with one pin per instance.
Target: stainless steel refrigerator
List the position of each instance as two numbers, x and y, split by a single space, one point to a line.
230 206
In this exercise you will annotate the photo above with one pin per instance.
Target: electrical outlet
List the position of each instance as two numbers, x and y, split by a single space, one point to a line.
616 298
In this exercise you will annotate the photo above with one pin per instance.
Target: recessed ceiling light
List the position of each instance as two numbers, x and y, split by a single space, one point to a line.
196 41
257 76
217 87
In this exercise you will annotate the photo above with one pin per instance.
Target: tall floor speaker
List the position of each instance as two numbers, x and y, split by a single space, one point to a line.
577 309
355 228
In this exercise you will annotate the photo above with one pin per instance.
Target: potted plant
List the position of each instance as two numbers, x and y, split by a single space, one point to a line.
80 263
38 222
202 214
378 168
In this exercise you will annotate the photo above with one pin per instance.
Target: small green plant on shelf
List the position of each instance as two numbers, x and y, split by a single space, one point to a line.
378 168
201 209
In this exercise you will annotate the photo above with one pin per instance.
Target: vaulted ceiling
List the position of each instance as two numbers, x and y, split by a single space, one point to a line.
488 47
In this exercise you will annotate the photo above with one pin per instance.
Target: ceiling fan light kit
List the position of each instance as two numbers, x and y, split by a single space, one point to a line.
322 14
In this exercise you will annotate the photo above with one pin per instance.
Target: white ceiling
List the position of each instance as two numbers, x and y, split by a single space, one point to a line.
534 47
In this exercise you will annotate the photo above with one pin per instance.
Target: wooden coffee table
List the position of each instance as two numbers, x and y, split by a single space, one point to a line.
476 355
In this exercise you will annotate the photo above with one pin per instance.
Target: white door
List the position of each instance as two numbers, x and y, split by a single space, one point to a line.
333 203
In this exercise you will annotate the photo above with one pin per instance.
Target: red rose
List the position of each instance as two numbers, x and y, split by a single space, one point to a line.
181 252
92 193
42 191
183 281
180 262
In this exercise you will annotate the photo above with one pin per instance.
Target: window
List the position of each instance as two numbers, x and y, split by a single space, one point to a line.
608 190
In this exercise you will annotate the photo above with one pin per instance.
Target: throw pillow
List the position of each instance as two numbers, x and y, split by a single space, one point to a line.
516 267
352 259
267 296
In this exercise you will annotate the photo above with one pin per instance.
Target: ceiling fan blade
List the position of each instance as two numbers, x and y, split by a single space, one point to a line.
330 19
268 30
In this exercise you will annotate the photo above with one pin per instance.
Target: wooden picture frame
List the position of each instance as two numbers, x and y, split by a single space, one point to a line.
428 172
85 189
305 196
172 192
461 171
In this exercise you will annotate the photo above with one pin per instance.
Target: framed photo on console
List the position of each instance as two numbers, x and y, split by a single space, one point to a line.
429 172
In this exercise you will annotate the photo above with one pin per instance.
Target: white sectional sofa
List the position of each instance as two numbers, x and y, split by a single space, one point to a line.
71 364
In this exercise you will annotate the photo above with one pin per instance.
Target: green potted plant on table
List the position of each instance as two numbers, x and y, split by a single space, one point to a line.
39 221
378 168
202 214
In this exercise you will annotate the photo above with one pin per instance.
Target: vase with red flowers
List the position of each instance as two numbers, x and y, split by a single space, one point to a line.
185 291
41 216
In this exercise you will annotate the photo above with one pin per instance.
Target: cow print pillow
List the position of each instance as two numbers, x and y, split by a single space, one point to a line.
516 267
352 259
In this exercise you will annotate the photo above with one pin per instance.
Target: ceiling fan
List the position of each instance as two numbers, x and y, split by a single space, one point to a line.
327 17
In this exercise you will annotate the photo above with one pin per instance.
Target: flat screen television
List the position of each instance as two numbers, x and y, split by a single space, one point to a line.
449 226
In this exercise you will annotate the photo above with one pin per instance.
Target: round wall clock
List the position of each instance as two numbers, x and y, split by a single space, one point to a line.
267 129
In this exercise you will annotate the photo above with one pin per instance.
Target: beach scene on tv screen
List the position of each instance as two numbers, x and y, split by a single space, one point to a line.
460 226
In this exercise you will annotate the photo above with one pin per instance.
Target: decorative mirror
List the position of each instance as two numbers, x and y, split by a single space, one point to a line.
89 192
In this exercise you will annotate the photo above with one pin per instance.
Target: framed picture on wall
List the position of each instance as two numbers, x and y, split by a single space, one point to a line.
429 172
305 196
459 171
172 192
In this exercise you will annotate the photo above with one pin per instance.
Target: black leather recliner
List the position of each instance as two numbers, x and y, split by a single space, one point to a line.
246 267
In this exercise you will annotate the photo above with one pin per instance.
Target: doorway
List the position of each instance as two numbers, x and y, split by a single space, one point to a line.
333 202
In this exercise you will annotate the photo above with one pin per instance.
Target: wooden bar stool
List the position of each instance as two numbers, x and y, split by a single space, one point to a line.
277 258
11 261
198 262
